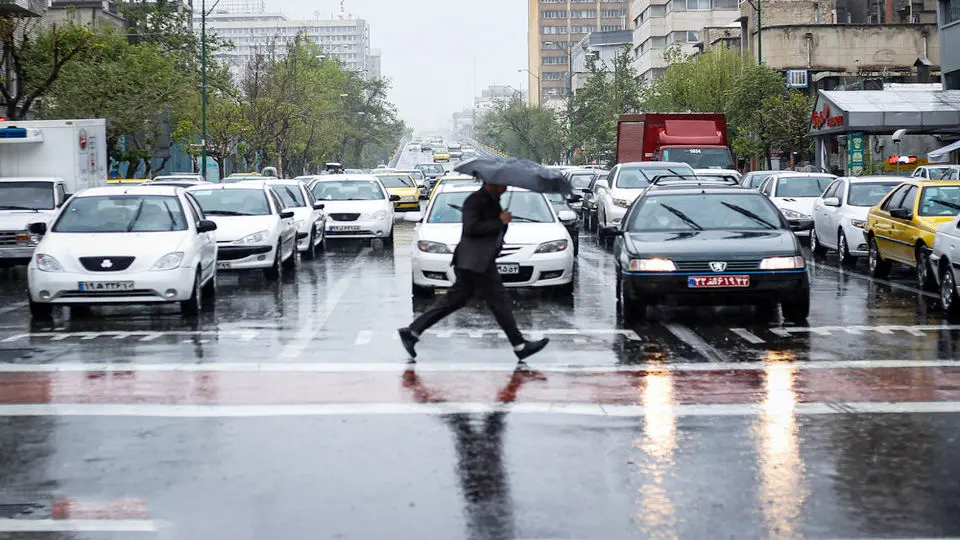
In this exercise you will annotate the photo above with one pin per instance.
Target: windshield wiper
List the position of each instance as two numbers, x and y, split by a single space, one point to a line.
15 207
527 220
749 214
685 218
226 213
948 204
136 216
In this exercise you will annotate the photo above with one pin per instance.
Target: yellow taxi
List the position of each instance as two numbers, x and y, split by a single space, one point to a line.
453 180
126 180
902 227
404 186
440 153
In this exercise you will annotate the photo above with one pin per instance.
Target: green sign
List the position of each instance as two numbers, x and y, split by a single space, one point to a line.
855 146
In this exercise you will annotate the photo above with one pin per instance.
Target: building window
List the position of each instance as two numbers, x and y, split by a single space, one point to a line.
553 30
951 11
557 14
584 14
582 29
693 37
611 28
612 13
698 5
725 4
553 1
554 60
554 75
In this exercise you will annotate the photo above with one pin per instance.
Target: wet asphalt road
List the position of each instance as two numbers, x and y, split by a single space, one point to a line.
290 413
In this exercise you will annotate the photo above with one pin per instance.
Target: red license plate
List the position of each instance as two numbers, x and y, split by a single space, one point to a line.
717 282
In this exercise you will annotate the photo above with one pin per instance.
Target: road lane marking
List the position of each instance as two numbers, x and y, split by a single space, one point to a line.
917 330
748 335
363 337
688 336
13 307
145 336
437 409
78 525
874 280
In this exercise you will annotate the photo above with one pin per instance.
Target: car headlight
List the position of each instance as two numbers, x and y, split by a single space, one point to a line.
433 247
169 261
379 215
793 214
622 203
47 263
783 263
255 238
552 247
859 223
652 265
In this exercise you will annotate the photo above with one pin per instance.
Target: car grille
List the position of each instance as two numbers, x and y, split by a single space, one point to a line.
233 253
351 233
107 294
525 273
344 217
508 250
8 238
704 266
113 264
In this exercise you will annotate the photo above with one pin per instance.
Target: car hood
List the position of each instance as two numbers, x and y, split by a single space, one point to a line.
147 248
17 220
404 191
341 207
517 233
232 228
803 205
703 245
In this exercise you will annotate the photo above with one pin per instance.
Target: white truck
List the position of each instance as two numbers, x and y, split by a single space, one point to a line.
43 163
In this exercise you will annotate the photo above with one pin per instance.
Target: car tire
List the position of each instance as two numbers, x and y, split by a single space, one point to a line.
210 293
815 246
311 252
767 310
41 311
388 241
275 271
879 268
631 309
291 262
924 274
576 245
948 291
843 251
192 306
422 292
796 310
564 290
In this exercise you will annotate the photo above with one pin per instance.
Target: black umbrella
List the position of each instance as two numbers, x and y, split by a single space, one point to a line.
521 173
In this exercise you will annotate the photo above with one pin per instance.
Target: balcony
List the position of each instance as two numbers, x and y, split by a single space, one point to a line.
23 8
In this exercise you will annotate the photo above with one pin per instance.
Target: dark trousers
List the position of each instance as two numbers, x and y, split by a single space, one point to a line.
489 286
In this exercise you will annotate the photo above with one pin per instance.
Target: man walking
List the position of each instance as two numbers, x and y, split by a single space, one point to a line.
474 263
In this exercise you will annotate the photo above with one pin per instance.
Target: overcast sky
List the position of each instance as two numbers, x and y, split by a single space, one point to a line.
437 53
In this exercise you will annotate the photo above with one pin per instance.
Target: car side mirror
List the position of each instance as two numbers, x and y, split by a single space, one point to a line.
575 198
567 215
901 213
587 190
205 225
319 206
286 214
39 228
394 198
424 197
831 201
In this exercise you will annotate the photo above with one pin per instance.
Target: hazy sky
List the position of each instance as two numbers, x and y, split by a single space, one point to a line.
438 53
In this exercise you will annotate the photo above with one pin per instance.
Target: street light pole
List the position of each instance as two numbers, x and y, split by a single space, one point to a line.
537 77
203 88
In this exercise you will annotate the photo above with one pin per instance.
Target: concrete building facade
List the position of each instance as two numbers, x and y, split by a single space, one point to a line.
95 13
604 46
554 29
661 23
948 23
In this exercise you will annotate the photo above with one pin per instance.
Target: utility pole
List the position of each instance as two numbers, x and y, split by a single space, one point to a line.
203 88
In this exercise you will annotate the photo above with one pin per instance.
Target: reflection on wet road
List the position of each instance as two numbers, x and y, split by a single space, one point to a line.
290 412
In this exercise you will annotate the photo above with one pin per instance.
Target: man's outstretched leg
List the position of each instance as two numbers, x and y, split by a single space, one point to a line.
456 298
491 289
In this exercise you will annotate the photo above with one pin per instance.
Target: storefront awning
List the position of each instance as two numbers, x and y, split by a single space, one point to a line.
941 154
885 111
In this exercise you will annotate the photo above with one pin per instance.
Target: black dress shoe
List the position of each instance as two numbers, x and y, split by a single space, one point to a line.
409 341
531 348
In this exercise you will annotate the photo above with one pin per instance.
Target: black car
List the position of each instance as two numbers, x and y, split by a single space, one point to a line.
564 208
588 208
426 146
708 244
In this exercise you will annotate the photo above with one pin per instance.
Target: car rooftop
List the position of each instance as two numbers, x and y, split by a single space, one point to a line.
343 177
129 189
251 184
468 188
653 164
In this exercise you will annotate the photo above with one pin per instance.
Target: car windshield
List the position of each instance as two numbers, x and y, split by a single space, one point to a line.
446 209
753 180
439 150
396 181
940 201
122 213
290 195
641 177
431 169
349 190
705 212
232 202
176 179
581 180
802 186
869 193
26 195
525 206
461 182
700 158
240 178
417 174
943 173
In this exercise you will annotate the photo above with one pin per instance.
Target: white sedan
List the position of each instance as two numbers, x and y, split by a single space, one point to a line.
794 193
616 192
358 206
254 230
945 263
308 214
840 215
124 245
537 250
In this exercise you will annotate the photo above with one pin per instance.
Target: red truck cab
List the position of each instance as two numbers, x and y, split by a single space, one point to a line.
697 139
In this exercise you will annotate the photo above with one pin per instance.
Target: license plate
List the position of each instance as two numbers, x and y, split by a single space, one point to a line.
224 265
341 228
717 282
508 268
104 285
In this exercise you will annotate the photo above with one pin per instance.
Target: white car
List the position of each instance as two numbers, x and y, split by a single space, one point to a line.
623 185
794 193
413 147
537 250
254 230
357 206
721 173
124 245
945 263
840 215
937 172
308 214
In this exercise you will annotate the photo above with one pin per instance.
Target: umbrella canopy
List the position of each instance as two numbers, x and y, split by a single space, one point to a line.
521 173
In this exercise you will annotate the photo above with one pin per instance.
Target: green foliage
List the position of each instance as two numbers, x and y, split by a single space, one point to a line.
525 131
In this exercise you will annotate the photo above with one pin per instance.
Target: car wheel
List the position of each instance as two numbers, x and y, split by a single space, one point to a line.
948 292
276 270
388 241
843 251
767 310
815 246
192 306
576 246
311 251
796 310
210 293
924 275
41 311
422 292
291 262
565 289
879 268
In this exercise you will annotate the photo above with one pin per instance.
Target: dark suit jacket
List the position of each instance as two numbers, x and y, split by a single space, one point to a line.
483 232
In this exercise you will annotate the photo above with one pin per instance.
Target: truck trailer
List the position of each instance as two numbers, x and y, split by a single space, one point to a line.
698 139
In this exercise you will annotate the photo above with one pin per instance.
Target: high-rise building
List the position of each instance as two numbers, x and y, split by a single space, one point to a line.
555 28
373 64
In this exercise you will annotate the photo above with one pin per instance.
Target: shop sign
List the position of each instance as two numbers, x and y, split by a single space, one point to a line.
822 119
904 164
855 154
